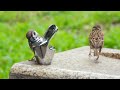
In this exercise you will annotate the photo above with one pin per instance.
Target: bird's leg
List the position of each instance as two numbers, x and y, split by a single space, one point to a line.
90 54
100 50
97 57
98 53
96 60
37 59
33 58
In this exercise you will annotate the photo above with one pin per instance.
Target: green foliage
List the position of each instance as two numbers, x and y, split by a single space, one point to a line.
74 28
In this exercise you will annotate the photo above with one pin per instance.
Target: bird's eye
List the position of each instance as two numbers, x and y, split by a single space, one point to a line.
34 33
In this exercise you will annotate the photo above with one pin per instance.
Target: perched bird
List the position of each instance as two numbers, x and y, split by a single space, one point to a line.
96 40
39 44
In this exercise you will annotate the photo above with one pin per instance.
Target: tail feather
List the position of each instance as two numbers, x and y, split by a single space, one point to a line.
111 55
50 32
48 35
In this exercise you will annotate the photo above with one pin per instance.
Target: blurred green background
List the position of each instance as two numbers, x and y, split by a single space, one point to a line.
74 28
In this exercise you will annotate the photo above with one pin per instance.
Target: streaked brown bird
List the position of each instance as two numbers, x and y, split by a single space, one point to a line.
96 40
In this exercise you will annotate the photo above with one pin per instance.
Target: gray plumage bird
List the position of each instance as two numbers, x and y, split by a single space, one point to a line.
39 44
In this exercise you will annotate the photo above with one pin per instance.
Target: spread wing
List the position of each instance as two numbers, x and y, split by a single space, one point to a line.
101 40
91 41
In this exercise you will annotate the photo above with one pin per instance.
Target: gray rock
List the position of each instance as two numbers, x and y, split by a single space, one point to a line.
71 64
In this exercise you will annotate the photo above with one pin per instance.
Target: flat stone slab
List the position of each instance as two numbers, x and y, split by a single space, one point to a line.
71 64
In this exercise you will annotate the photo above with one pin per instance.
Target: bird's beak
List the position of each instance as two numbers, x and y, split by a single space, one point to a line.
56 29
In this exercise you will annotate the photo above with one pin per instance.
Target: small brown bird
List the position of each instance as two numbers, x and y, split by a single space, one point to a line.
96 40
